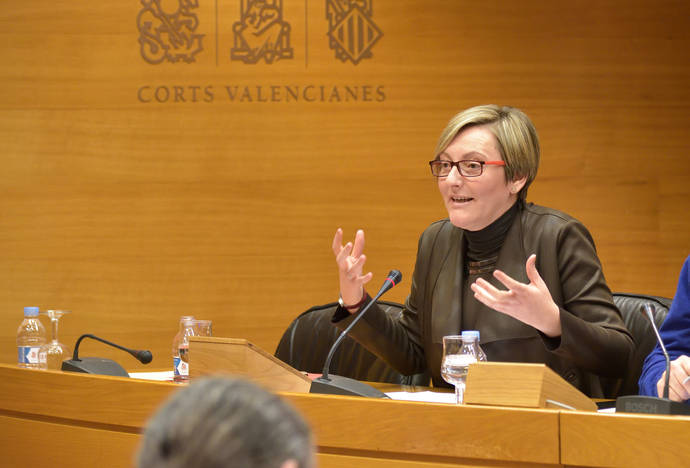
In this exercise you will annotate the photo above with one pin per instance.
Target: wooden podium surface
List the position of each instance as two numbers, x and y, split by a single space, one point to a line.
68 419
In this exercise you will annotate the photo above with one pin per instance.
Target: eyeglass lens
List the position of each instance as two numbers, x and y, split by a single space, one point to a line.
442 168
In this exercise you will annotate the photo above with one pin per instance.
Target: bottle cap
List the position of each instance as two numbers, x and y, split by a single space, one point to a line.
30 311
471 334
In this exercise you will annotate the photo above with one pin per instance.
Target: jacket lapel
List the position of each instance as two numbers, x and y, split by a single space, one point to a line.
447 276
494 325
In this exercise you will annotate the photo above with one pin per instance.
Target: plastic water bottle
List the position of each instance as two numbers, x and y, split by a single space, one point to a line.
481 355
31 335
180 348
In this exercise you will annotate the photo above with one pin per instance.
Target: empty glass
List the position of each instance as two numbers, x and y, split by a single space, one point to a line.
204 327
51 354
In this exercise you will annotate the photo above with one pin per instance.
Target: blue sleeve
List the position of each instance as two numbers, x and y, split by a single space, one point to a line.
675 332
654 365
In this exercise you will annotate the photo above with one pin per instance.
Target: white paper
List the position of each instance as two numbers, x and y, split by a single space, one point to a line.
430 397
607 410
164 376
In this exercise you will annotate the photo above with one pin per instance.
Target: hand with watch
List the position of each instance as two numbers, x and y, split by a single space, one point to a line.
354 307
350 261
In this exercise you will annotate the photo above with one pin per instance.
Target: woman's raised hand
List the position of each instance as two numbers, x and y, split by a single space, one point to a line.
530 303
350 260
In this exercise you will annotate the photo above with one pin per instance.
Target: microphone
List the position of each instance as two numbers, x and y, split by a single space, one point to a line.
649 404
94 365
339 385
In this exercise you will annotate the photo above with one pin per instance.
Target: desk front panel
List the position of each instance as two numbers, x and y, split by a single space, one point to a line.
624 440
32 443
431 430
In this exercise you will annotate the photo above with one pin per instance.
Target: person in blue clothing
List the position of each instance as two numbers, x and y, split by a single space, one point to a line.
675 333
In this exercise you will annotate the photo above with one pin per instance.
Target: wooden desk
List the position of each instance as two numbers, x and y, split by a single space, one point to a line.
69 419
83 420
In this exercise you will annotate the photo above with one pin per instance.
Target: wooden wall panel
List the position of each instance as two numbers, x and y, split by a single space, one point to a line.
133 213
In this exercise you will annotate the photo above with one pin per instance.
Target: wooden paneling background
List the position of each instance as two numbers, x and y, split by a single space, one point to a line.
132 213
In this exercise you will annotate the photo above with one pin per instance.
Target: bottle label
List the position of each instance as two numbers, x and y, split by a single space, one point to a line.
180 367
27 354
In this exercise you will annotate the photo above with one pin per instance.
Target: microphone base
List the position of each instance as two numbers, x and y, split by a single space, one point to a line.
94 365
650 405
339 385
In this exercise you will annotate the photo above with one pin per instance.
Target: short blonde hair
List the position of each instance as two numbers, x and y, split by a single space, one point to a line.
517 138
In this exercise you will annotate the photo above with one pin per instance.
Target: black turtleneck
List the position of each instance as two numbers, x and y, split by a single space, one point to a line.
481 256
486 243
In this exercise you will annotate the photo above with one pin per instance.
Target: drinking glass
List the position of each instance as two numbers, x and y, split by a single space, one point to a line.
204 327
455 364
51 354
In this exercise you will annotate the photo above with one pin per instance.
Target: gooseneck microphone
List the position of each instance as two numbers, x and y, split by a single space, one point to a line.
392 279
649 404
649 310
339 385
91 365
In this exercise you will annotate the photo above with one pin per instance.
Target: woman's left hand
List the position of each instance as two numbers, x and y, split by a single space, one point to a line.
530 303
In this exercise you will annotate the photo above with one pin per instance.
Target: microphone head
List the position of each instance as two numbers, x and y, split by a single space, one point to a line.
144 356
395 276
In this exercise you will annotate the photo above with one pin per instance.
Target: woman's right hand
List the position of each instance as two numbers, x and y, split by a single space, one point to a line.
350 260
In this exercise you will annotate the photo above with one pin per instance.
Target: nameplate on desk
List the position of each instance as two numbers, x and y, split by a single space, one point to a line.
523 385
234 356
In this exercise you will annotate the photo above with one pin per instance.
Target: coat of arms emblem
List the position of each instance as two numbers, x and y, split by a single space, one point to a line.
261 32
166 35
351 32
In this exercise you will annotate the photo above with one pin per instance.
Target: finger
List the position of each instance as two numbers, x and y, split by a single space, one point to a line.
676 382
341 256
684 376
482 294
490 288
359 243
686 384
487 294
684 362
684 365
356 281
337 241
660 385
507 281
675 386
532 272
355 270
673 395
677 391
683 392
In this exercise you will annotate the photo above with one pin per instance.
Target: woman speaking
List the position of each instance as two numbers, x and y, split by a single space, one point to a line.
527 277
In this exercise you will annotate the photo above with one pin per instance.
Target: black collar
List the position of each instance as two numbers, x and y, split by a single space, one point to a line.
486 243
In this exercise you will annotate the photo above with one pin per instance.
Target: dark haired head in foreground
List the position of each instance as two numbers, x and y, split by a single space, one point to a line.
225 422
